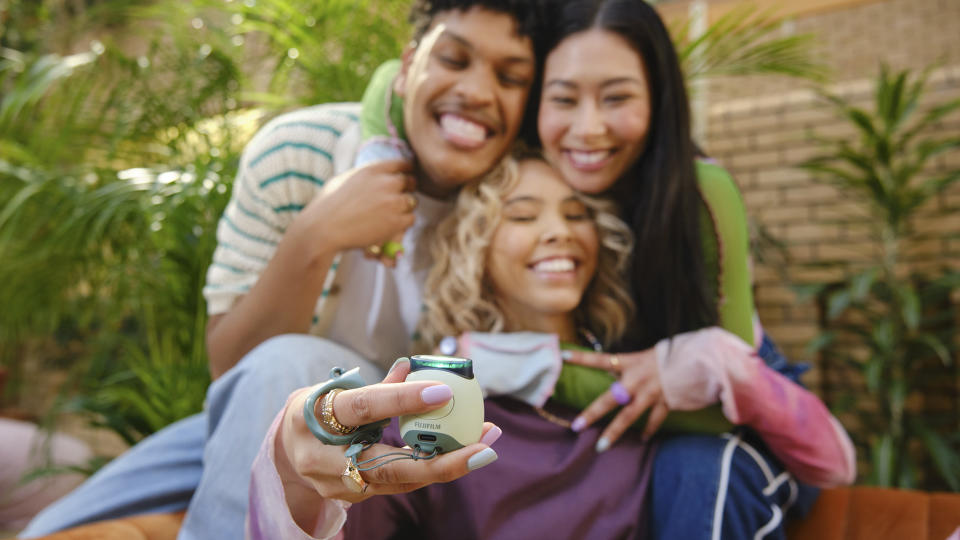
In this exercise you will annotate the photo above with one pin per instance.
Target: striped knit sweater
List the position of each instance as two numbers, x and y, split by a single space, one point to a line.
281 170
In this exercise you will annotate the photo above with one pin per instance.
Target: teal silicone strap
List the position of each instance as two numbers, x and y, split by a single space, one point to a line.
367 433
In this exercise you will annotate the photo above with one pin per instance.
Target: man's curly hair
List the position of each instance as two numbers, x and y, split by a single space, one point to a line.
527 13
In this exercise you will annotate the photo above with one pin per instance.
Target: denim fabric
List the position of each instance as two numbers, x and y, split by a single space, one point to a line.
775 359
713 487
727 486
203 462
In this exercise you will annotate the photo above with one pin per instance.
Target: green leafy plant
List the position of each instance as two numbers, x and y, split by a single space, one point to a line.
895 320
745 41
117 154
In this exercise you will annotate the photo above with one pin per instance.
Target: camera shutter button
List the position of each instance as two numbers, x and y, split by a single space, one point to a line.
437 414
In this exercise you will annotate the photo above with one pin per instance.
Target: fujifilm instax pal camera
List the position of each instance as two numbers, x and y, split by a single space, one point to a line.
456 424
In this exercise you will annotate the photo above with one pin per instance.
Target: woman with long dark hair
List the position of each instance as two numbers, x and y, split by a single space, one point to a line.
614 119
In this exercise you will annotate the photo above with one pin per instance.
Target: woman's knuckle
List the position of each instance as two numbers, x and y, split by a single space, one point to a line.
362 405
386 475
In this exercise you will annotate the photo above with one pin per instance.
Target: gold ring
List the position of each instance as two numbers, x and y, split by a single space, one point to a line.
351 478
615 362
328 420
411 202
374 250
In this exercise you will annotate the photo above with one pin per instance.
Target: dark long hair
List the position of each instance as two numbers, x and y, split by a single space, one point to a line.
659 192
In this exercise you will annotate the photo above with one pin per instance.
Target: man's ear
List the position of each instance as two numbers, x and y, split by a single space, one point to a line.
400 81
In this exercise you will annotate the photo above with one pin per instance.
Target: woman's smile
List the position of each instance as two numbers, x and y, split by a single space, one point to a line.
595 109
543 253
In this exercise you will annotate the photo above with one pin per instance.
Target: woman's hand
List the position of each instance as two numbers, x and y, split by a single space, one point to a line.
309 468
640 390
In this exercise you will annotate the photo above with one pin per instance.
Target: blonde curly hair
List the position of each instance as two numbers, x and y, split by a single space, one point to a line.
458 296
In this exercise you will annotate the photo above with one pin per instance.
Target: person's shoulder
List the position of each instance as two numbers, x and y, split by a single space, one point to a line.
316 128
334 118
717 186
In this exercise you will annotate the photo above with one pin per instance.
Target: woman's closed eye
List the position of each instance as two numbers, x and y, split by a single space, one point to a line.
521 218
577 216
575 210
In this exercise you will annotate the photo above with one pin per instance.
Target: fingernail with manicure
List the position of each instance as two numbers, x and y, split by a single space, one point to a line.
432 395
398 361
491 436
481 459
578 424
603 444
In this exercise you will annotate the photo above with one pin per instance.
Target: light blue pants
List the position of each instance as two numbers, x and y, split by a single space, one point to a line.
202 463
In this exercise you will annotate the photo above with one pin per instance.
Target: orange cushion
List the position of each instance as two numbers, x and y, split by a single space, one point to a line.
870 513
142 527
857 513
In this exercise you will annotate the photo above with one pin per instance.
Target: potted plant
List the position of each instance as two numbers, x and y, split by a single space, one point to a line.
883 319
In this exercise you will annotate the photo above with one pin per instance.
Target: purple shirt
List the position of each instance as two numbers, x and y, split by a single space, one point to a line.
548 482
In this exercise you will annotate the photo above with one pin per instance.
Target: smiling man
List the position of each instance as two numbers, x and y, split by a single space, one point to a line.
290 291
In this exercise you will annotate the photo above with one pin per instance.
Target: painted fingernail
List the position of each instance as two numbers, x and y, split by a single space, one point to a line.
432 395
491 436
578 424
566 355
602 445
397 362
481 459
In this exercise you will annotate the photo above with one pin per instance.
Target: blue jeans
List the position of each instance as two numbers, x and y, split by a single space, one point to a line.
202 463
727 486
706 486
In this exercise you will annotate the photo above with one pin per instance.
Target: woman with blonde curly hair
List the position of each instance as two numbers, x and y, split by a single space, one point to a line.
462 296
523 264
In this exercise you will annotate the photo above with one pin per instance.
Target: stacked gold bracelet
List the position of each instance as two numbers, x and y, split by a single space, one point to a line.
327 418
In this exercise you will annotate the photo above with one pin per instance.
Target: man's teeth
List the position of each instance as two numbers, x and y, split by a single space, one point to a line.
588 158
463 128
555 265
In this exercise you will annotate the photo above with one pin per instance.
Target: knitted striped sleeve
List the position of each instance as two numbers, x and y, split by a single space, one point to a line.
281 170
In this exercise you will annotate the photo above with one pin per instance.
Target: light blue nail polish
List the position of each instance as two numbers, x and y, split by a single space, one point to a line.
578 424
566 355
603 445
481 459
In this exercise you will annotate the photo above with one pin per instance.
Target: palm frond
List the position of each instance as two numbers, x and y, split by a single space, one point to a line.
746 41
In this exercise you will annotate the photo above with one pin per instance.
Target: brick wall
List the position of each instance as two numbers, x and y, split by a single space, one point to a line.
853 40
760 129
762 139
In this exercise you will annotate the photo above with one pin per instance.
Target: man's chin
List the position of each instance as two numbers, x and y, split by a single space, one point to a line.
444 179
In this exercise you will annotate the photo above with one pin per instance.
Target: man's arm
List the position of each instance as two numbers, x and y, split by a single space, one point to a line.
361 207
281 302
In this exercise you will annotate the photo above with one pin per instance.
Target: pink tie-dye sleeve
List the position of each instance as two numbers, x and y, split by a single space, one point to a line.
698 369
268 516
